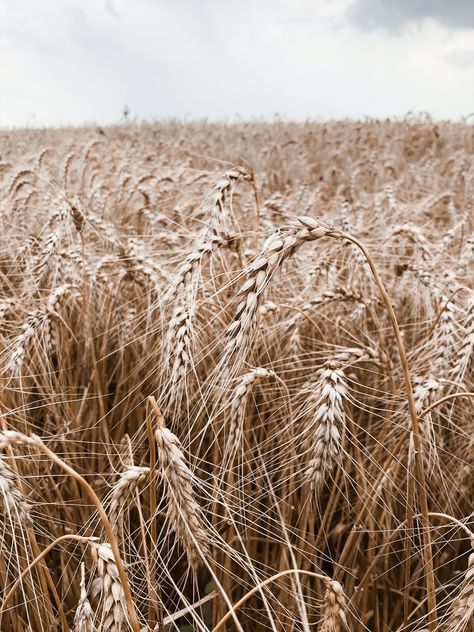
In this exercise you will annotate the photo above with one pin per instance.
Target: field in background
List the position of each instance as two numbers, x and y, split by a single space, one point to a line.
211 417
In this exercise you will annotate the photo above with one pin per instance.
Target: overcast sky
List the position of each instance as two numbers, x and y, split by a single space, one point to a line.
72 61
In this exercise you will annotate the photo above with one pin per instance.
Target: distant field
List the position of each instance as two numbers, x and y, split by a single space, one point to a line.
237 377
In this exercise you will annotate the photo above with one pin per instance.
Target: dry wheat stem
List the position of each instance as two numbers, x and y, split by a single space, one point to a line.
262 584
421 484
11 437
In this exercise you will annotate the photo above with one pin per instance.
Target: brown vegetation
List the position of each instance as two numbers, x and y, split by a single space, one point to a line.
236 377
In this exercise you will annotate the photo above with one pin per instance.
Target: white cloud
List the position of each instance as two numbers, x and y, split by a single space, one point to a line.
67 61
463 58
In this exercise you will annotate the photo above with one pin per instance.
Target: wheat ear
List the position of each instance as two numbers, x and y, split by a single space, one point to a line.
423 393
335 608
461 613
39 319
108 585
237 409
327 395
84 616
128 482
15 506
278 247
183 512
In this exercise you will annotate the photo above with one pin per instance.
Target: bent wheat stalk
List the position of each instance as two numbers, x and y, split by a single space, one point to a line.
38 558
420 470
11 437
266 582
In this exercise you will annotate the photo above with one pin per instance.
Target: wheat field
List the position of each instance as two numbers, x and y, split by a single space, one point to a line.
236 377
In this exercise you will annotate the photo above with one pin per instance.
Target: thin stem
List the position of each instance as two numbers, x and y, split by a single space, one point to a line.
181 613
38 558
445 399
418 456
387 542
36 441
260 585
153 529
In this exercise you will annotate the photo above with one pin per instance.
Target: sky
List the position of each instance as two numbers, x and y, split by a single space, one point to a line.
76 61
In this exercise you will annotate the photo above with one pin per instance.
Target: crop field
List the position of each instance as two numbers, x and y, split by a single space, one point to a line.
236 377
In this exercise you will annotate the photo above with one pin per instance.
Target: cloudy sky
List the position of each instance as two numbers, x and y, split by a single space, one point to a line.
71 61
